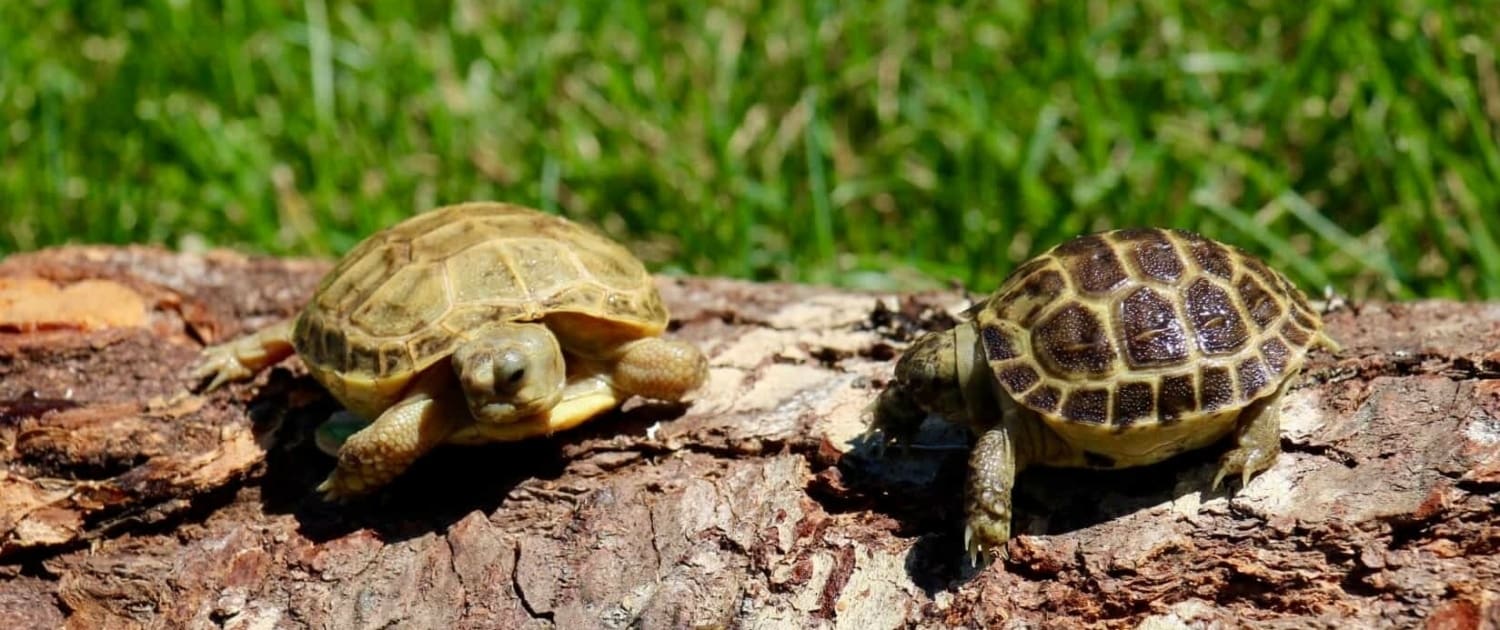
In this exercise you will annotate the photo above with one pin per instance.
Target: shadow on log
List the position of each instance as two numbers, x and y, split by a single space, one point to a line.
126 501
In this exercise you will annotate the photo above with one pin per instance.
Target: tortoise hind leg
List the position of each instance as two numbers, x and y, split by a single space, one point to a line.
381 451
1327 342
243 357
1257 439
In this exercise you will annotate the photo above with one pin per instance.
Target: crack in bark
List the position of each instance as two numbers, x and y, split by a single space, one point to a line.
1327 451
655 548
838 578
463 589
1370 366
515 584
738 318
765 447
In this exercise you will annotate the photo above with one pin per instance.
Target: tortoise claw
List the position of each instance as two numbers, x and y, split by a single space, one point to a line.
1247 461
975 552
338 489
980 555
220 363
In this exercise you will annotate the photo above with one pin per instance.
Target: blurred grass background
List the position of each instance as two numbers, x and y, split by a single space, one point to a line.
890 144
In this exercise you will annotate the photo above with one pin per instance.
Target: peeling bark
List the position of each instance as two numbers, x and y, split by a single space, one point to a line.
127 501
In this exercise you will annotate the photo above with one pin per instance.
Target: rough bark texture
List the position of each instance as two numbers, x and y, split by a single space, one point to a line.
126 501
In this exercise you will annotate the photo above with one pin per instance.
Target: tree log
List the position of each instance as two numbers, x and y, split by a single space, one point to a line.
126 500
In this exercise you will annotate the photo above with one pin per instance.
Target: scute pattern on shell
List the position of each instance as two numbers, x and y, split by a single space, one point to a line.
403 298
1133 327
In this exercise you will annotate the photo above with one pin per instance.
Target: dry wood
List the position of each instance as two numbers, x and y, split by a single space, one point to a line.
126 501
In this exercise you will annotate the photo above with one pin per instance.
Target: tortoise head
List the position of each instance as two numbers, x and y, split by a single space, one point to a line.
510 372
930 378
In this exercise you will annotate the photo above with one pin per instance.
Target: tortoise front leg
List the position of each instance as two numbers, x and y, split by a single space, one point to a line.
660 369
378 453
243 357
987 495
1019 439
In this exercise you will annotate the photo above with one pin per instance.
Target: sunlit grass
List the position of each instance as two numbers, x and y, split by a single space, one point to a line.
1353 144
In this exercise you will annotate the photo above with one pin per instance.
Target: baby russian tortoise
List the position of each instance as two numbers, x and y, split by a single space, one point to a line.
1110 350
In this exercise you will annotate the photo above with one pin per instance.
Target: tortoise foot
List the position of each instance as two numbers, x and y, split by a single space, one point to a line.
985 536
221 364
241 358
1247 461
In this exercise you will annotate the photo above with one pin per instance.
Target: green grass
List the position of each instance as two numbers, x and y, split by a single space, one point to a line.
863 144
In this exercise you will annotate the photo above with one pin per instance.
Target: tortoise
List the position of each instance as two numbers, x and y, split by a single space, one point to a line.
1110 350
470 323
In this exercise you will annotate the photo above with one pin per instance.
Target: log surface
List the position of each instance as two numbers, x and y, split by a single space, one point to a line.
128 501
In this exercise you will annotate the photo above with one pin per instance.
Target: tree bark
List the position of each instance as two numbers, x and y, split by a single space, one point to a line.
128 501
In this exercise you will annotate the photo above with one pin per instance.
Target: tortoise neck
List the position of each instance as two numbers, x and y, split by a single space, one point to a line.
976 383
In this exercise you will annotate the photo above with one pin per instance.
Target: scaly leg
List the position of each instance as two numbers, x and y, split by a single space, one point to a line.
992 475
1019 438
661 369
1327 342
243 357
381 451
1258 441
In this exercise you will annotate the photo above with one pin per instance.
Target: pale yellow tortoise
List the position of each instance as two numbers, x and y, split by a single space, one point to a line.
467 324
1110 350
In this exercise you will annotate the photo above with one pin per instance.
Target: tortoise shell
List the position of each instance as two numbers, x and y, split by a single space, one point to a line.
403 299
1143 328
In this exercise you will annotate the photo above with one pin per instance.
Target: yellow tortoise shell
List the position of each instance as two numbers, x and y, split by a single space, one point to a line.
404 298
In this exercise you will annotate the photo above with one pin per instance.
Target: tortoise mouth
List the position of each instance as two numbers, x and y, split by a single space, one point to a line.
931 376
497 412
512 411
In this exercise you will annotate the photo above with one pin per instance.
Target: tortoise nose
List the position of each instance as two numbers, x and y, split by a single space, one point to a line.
509 369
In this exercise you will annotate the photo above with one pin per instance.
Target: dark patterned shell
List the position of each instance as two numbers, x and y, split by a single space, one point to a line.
1134 327
402 299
